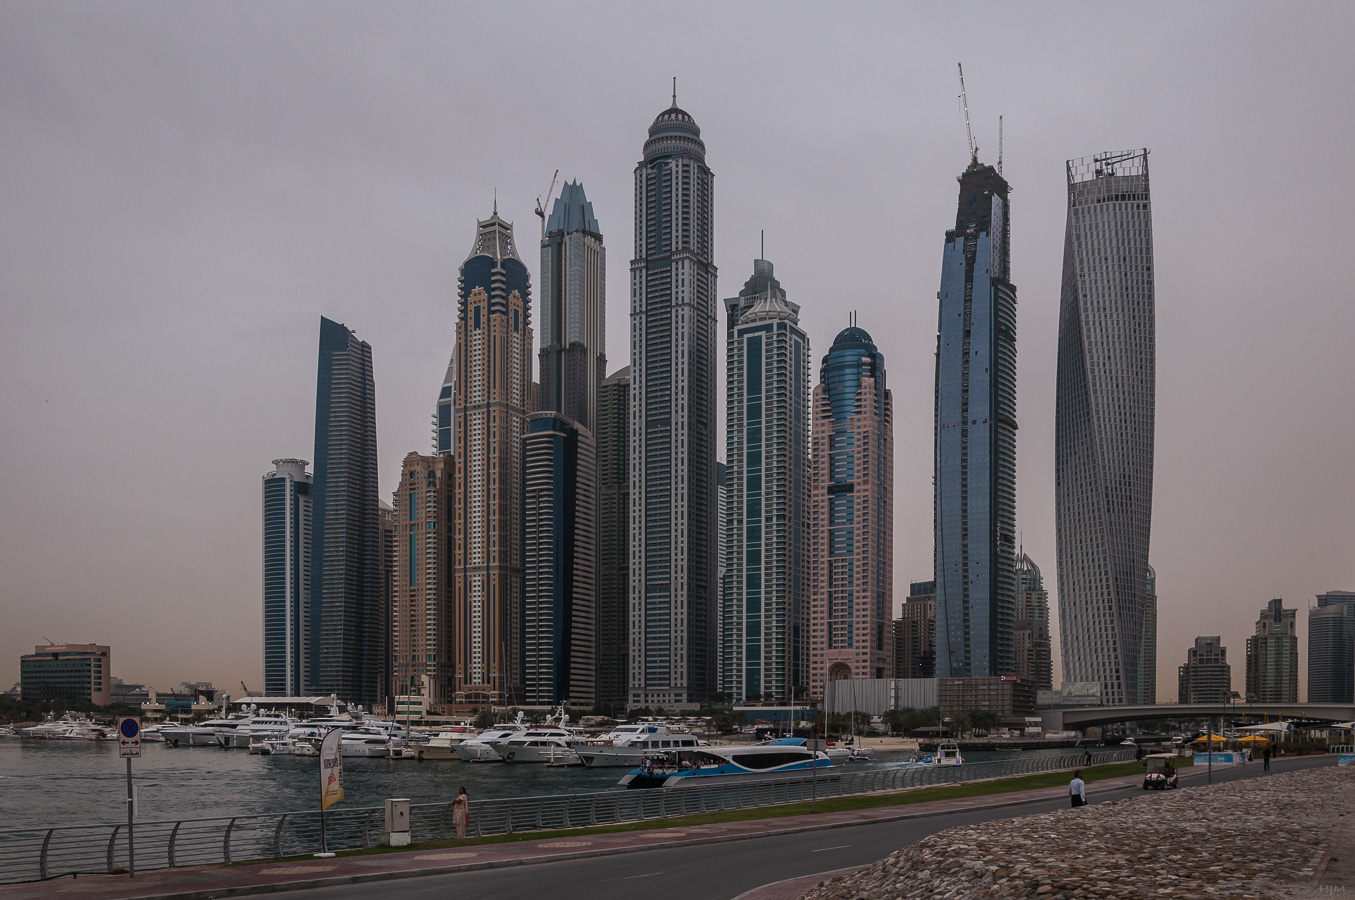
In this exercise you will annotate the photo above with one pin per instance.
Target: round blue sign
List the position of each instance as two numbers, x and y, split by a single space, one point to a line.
130 728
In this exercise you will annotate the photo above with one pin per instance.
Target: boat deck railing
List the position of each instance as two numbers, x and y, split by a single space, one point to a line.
41 853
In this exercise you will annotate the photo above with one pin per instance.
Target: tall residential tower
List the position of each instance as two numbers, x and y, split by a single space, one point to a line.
851 515
1103 422
673 331
975 432
287 579
493 383
764 646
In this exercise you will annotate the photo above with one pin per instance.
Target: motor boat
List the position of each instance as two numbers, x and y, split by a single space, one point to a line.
627 745
481 747
859 754
68 728
732 764
948 755
373 741
205 734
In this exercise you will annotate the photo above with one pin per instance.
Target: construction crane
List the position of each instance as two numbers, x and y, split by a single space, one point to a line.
964 100
541 210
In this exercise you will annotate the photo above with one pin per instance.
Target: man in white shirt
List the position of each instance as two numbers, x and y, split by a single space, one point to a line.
1077 790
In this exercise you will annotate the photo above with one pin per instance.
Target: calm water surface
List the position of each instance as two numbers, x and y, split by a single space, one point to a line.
84 782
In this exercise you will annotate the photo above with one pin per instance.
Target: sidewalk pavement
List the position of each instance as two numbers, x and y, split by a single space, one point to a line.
203 882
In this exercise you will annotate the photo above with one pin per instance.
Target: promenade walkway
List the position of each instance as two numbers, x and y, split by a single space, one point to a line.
200 883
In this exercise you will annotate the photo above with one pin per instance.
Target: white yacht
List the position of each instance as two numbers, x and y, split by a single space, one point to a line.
259 725
481 747
443 744
68 728
627 745
374 741
203 735
547 744
948 755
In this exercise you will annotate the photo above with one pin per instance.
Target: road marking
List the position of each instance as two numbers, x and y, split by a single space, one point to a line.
646 875
838 847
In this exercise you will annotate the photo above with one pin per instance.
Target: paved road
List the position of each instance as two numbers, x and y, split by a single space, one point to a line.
719 871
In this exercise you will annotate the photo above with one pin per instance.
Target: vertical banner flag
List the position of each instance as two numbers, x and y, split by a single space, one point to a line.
331 769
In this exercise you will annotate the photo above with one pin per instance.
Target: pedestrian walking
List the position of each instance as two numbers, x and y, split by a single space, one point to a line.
461 812
1077 790
1265 760
1087 752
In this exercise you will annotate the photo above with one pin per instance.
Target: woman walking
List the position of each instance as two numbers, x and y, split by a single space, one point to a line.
461 812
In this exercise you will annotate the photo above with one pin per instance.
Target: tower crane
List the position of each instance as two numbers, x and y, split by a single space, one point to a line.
540 209
964 100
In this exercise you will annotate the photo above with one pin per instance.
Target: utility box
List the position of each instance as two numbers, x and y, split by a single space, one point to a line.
397 823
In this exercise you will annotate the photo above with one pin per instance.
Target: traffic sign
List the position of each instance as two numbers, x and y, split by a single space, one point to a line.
129 737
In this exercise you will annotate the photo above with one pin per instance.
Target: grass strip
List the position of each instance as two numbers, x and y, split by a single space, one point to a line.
960 791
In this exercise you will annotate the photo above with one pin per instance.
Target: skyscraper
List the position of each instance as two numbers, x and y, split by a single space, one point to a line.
1331 648
1103 423
1030 635
421 584
573 310
673 409
560 562
287 579
493 382
975 432
1273 656
613 604
1148 648
346 552
765 618
851 511
1206 676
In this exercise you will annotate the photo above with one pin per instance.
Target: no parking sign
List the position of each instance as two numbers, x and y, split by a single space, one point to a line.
129 737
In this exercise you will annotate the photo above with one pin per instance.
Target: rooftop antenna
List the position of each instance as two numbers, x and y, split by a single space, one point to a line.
964 100
541 210
674 92
999 145
496 200
764 244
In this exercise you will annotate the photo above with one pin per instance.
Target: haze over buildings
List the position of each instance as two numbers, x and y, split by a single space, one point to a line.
189 189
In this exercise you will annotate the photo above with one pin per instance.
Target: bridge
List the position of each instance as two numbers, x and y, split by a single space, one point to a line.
1075 719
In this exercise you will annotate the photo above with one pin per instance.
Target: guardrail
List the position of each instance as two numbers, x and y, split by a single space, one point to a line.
32 854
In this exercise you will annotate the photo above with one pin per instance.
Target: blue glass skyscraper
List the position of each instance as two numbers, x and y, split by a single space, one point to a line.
975 431
346 546
287 579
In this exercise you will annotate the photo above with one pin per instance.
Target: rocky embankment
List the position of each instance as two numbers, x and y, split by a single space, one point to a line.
1258 837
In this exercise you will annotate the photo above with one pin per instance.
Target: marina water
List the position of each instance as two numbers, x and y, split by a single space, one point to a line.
83 782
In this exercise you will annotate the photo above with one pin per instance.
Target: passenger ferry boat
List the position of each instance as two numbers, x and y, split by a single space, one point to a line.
627 745
783 759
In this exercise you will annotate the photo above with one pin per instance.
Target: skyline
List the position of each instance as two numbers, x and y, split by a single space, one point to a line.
221 185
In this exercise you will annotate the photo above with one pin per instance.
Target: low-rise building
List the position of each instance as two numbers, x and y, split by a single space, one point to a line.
67 672
1005 695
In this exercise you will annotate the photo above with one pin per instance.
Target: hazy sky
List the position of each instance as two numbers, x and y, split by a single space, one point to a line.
186 188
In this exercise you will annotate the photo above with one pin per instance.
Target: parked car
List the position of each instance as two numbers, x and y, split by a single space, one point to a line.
1160 778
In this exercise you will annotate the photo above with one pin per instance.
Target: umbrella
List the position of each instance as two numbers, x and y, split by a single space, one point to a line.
1218 738
1253 737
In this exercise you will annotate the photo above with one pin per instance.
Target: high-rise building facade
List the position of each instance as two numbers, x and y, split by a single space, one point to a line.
1103 428
851 514
422 652
915 633
975 432
573 292
493 382
1273 656
559 563
1331 648
346 542
721 568
613 578
765 616
1148 647
1030 635
287 579
673 332
1206 676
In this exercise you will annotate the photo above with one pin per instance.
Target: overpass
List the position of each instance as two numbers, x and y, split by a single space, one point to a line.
1077 718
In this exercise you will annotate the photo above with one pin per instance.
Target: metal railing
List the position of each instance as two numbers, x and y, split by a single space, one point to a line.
30 854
